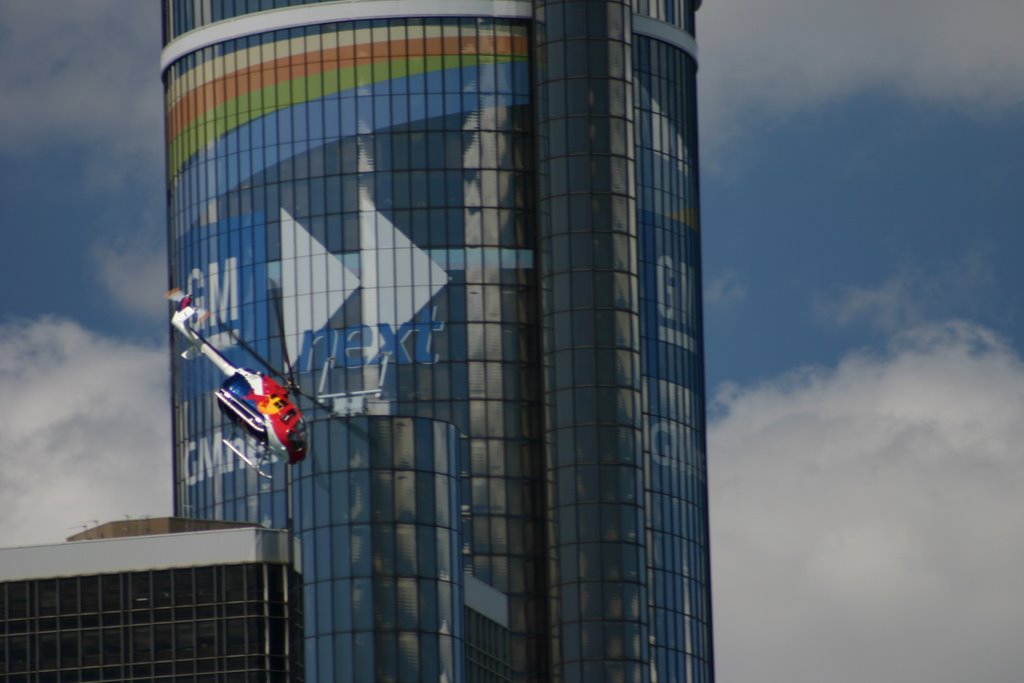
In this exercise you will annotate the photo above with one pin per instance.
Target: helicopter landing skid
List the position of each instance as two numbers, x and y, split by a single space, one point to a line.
248 461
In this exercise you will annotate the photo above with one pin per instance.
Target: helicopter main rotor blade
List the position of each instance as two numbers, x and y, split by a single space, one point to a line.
293 386
276 298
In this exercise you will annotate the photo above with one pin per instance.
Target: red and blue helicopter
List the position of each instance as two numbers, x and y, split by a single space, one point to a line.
252 400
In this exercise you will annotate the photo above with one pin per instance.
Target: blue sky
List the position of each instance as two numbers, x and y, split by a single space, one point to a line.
844 224
862 223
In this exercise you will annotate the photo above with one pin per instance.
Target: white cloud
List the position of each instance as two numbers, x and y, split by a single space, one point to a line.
725 288
135 276
866 519
83 74
912 295
86 430
769 59
890 306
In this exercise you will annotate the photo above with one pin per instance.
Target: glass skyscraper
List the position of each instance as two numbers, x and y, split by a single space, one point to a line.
471 226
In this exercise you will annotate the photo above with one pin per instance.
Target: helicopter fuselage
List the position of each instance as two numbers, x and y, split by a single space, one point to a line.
261 406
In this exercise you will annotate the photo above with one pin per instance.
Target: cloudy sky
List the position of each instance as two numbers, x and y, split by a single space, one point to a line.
862 222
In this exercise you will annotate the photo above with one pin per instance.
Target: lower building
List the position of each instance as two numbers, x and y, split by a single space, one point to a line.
487 633
198 607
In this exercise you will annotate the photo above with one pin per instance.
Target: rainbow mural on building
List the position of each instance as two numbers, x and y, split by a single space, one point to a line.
225 93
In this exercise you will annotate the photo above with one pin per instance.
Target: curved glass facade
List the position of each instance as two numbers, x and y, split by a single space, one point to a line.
678 13
182 17
496 224
591 347
380 522
347 193
675 486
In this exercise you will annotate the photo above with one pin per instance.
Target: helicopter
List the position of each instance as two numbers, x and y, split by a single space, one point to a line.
252 400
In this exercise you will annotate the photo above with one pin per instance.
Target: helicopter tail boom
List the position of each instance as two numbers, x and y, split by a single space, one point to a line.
182 321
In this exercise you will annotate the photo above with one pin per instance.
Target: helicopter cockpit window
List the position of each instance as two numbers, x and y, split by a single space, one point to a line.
297 435
288 416
237 385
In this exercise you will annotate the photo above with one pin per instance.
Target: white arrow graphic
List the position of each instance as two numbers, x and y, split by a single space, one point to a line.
396 279
314 282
